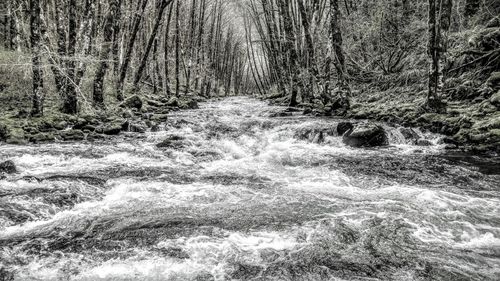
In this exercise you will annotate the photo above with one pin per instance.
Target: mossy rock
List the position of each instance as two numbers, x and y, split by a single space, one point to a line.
159 117
16 136
132 102
173 102
487 108
72 135
494 80
495 99
42 137
188 104
61 125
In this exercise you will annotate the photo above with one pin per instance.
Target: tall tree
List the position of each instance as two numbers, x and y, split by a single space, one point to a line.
289 47
439 26
177 49
70 98
136 22
151 41
337 42
342 100
35 39
98 96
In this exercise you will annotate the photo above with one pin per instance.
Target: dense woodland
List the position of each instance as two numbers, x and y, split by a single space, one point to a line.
327 56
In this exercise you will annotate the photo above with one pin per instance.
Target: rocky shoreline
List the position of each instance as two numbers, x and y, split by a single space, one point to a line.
136 114
470 127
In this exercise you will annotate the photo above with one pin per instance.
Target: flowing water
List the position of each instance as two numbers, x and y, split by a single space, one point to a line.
239 195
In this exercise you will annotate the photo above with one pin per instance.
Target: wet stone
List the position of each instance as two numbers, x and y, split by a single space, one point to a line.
365 135
174 141
8 167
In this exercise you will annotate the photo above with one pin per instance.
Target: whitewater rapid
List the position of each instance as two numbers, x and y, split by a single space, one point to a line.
246 196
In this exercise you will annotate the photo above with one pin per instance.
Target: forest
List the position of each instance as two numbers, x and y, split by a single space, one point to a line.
361 59
215 140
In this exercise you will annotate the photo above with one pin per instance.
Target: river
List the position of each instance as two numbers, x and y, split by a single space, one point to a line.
240 195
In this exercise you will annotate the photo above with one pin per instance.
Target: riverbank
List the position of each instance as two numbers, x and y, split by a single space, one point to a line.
136 114
471 125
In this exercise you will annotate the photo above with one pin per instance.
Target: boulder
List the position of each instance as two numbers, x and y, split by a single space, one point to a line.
495 99
423 142
494 80
189 104
366 135
4 132
61 125
132 102
173 141
112 129
139 127
155 103
42 137
16 136
409 133
315 133
8 167
155 128
72 135
89 128
173 102
344 127
159 117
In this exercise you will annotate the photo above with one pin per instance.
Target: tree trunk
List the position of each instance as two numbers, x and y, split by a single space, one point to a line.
85 37
35 39
70 99
177 49
98 96
337 41
166 48
439 26
152 38
130 48
291 52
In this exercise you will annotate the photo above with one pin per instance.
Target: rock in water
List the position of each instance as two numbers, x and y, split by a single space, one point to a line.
8 167
423 142
344 127
409 134
112 129
366 135
132 102
175 142
72 135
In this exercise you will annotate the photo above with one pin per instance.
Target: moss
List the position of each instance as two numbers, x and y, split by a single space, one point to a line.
16 136
42 137
495 99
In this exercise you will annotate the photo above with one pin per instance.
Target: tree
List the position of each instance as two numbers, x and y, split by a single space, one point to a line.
151 41
130 47
177 49
70 99
342 100
35 39
439 26
98 96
